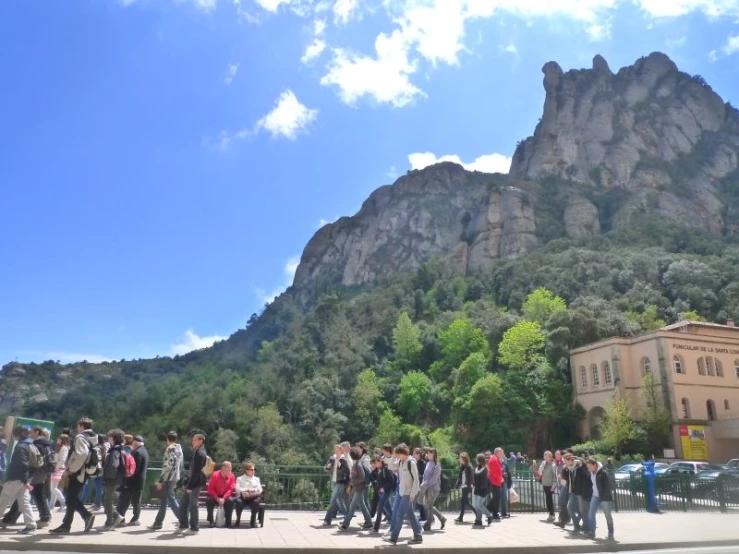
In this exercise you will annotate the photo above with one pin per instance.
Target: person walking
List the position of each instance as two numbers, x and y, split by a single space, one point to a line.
189 519
580 489
114 473
547 473
134 485
358 485
481 488
464 482
60 459
386 481
495 473
563 494
602 497
82 464
408 488
505 486
338 467
17 486
430 489
171 469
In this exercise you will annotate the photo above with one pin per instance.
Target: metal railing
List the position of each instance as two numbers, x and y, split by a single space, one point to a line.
309 488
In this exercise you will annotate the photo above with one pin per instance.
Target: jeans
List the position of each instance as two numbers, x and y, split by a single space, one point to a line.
357 501
336 505
478 502
168 500
96 482
563 497
429 499
465 503
42 501
549 497
504 499
130 497
56 494
189 507
595 502
577 506
383 505
111 514
402 510
73 502
253 504
15 491
494 504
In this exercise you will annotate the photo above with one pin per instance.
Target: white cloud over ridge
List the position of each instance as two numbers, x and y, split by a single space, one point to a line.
291 266
487 163
192 341
288 118
731 46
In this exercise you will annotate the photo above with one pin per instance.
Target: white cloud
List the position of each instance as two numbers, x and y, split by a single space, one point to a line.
288 118
313 50
344 10
713 56
732 45
205 5
191 341
385 77
291 266
272 5
676 8
233 68
676 42
487 163
223 140
510 49
599 31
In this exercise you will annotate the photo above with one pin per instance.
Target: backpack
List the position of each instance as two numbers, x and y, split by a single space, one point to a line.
35 458
209 467
94 462
49 461
367 472
129 464
445 484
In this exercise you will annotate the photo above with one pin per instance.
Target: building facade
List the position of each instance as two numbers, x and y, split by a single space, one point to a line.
696 369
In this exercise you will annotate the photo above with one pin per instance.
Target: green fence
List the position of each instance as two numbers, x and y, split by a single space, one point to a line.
309 488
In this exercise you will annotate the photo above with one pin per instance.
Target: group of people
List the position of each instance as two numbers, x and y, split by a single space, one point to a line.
115 464
403 482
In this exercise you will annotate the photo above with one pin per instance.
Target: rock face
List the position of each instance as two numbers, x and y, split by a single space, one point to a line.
661 134
660 141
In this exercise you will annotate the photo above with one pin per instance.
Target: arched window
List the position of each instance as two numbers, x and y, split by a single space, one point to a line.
719 368
710 366
596 375
583 377
726 404
607 375
686 408
678 363
711 410
646 365
701 366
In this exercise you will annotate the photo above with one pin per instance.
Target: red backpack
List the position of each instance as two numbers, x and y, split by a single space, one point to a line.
130 464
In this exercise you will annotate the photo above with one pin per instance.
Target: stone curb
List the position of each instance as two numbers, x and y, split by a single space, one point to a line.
22 545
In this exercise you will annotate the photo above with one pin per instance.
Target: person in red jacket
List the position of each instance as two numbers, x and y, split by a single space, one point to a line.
220 489
495 473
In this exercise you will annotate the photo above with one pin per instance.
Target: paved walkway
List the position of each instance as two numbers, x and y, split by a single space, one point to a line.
301 532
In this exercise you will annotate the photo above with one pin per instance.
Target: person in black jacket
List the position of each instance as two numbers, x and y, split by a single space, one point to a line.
602 496
114 472
18 485
464 481
132 486
195 482
482 487
420 457
338 466
385 480
580 488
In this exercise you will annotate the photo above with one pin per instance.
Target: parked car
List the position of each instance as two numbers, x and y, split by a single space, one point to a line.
707 484
733 464
691 468
630 476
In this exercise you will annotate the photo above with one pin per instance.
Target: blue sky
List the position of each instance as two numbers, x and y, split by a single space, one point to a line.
165 161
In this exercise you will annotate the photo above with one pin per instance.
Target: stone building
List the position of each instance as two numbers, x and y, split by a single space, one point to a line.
696 368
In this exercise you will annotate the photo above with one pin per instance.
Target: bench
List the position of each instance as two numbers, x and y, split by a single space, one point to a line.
203 496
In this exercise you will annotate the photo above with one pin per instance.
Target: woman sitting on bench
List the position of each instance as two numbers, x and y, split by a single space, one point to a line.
248 492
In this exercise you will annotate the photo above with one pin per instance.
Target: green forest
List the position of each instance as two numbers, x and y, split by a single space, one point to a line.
430 358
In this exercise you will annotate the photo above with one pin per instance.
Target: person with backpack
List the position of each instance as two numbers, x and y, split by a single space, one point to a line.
134 485
420 457
367 467
338 467
358 485
17 487
96 481
189 517
114 472
171 468
430 489
385 481
83 462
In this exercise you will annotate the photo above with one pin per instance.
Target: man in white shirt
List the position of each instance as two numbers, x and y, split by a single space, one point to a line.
249 493
346 448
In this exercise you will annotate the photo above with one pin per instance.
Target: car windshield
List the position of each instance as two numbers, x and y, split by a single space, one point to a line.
628 468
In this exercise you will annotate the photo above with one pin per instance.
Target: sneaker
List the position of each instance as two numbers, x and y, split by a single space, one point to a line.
417 539
368 525
61 530
611 538
390 540
191 531
490 519
155 527
119 521
343 527
559 524
27 531
458 520
327 524
41 524
550 519
478 523
443 523
576 529
589 535
133 523
89 522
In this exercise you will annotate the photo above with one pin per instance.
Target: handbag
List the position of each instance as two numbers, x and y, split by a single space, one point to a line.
513 495
221 517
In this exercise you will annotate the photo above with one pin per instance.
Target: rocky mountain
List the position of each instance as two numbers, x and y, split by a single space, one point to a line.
609 151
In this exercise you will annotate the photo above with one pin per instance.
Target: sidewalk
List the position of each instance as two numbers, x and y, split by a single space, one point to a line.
301 532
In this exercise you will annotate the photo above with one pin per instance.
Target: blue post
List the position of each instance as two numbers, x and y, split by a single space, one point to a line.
650 477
